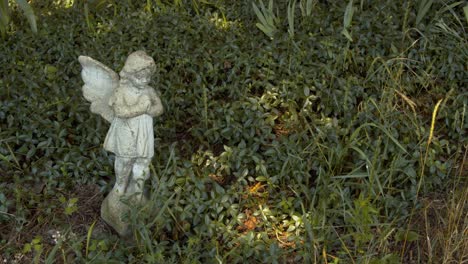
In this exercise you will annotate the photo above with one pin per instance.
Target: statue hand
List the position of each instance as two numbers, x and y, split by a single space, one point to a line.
128 111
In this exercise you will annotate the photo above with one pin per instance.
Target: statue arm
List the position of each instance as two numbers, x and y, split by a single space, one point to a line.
156 108
124 110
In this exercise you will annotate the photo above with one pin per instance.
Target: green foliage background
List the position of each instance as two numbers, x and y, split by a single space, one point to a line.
319 142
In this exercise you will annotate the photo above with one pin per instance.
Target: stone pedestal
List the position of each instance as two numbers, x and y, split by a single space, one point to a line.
114 208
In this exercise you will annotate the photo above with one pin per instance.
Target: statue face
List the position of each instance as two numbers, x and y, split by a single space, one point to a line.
140 78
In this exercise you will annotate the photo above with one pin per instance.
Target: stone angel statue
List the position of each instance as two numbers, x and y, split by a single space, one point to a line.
129 104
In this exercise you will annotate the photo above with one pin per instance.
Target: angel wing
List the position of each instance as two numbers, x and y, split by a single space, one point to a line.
100 82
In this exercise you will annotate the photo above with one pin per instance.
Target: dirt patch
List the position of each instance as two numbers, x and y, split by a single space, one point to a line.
47 225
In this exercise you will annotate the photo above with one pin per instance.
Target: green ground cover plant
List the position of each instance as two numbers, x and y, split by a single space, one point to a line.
294 132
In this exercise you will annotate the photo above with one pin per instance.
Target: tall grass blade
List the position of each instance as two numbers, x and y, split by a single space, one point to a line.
205 105
267 30
259 14
356 132
87 17
309 7
424 6
429 141
346 33
51 254
348 17
161 211
306 7
270 5
29 13
450 7
453 12
196 6
291 9
352 176
18 166
465 10
4 17
434 115
266 18
269 12
88 237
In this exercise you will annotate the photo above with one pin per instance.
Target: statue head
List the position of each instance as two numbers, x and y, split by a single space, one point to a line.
138 68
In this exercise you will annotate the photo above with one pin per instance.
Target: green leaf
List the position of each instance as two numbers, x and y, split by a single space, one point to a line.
348 16
261 178
296 218
259 14
69 210
103 245
31 152
37 247
27 248
62 199
50 69
266 30
346 34
291 228
73 201
225 198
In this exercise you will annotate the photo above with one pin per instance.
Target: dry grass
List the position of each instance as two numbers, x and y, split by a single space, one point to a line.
443 222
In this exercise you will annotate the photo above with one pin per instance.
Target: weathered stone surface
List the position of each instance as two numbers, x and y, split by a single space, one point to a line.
129 104
113 210
115 206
